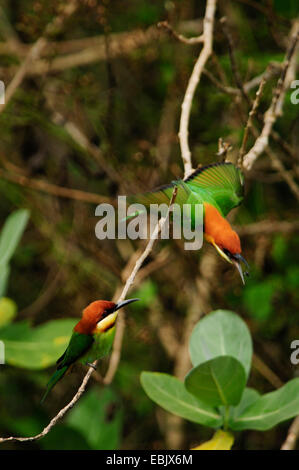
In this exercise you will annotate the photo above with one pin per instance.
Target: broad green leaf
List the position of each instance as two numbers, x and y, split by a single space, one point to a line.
8 310
257 298
222 440
168 392
248 398
221 333
36 348
219 381
270 409
11 233
98 417
4 275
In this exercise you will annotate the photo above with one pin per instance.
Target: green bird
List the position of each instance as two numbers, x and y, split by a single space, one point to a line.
92 337
219 187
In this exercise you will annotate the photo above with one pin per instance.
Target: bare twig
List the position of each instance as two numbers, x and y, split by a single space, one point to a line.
250 120
292 437
265 370
68 9
115 356
223 149
205 53
53 189
233 60
268 227
180 37
271 114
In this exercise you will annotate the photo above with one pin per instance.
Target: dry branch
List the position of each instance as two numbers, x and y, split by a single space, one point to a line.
52 28
205 53
273 111
292 437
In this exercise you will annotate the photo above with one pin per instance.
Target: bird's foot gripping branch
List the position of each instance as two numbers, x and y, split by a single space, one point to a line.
214 392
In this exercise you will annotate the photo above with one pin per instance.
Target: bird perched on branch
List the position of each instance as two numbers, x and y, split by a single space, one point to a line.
219 187
92 337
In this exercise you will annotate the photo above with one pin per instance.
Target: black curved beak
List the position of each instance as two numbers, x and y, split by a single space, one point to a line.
237 259
124 303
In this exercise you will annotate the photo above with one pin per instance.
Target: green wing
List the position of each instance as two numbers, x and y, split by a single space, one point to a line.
78 346
161 195
185 196
223 182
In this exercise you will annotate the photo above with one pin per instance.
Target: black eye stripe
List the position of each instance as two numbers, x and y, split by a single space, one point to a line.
107 312
228 253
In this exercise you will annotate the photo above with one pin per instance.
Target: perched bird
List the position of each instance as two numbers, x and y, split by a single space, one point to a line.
92 337
220 188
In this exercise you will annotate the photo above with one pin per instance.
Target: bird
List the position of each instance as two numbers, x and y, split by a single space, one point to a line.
91 339
219 187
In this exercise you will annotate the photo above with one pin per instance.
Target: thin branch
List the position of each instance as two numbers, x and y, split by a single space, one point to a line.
273 111
268 227
205 53
250 120
34 53
292 437
116 352
180 37
235 69
53 189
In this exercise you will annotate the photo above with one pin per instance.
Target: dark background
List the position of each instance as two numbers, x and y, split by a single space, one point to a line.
127 104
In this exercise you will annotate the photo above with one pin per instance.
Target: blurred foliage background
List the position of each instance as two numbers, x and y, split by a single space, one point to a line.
99 113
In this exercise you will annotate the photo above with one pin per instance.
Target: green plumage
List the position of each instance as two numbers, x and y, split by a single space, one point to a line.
83 348
220 184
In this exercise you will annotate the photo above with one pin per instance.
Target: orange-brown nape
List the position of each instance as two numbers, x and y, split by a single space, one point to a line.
218 231
91 315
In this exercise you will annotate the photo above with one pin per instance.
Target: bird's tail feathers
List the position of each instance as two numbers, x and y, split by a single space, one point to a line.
54 379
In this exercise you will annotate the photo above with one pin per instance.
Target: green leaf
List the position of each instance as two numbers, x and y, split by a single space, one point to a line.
258 298
4 275
8 310
221 333
98 417
248 398
11 233
219 381
36 348
270 409
222 440
168 392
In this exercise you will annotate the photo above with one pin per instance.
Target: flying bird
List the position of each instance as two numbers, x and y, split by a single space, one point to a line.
219 187
92 337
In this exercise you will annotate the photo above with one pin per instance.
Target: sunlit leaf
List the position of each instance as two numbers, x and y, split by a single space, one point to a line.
270 409
8 310
222 440
221 333
11 233
170 394
36 348
4 275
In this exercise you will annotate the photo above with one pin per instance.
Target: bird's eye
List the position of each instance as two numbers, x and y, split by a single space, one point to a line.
228 253
105 314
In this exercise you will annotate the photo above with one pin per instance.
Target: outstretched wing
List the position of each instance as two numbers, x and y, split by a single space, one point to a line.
224 182
160 195
78 346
